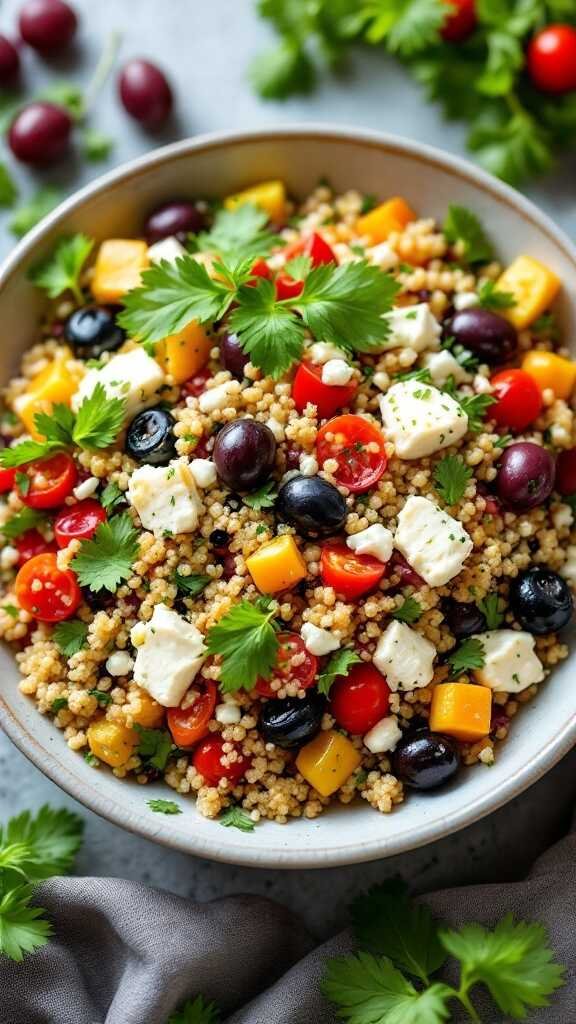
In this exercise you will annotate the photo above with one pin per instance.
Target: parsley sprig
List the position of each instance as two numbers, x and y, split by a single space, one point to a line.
104 561
451 476
61 271
493 609
468 656
235 817
246 641
462 225
339 665
409 611
239 234
70 636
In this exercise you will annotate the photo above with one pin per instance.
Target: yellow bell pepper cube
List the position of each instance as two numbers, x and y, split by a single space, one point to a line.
111 742
54 384
462 710
390 216
327 761
268 195
534 287
551 371
150 714
119 264
184 354
277 565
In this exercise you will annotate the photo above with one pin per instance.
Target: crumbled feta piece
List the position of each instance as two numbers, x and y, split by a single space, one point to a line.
382 256
420 420
318 641
322 351
337 372
218 397
165 498
413 327
510 664
383 736
404 657
481 384
308 465
169 249
133 375
568 570
87 488
277 428
9 557
562 515
443 365
119 664
204 472
375 540
465 300
434 543
227 714
168 657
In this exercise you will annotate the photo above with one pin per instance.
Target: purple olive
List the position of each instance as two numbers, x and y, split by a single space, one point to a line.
525 476
40 133
145 92
232 356
462 619
177 218
488 335
425 760
244 453
9 61
47 24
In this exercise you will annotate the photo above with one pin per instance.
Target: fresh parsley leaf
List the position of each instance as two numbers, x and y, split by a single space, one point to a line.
282 71
476 407
492 608
235 817
155 746
27 451
58 704
421 376
468 361
70 636
546 324
407 26
58 427
347 304
91 759
22 482
8 190
513 148
99 419
105 560
195 1011
503 441
102 698
112 496
270 332
298 267
26 519
467 656
238 234
96 146
245 639
451 476
51 839
29 214
264 497
191 586
164 807
491 298
23 928
67 95
410 611
368 990
61 271
461 225
339 665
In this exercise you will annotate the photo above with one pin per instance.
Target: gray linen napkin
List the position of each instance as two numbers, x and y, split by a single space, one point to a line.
126 954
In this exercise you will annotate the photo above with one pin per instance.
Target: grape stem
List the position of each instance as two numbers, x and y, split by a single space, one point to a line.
102 70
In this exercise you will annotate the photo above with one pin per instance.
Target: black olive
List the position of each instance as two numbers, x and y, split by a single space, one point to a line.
488 335
311 504
244 453
219 538
93 330
150 437
541 601
292 721
233 501
425 760
462 619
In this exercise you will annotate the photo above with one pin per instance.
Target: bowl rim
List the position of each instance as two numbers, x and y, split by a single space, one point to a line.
441 824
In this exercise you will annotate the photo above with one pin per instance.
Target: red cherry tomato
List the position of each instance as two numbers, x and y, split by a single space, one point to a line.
359 700
566 472
461 21
552 59
349 573
315 247
48 593
32 543
78 522
259 269
303 673
207 761
7 478
519 399
328 398
194 387
51 481
287 287
358 448
188 725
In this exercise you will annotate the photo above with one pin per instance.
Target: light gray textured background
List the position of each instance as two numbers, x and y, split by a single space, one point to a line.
205 47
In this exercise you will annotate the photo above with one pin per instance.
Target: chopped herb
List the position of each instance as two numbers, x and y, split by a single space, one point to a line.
102 698
369 201
58 704
469 655
476 407
195 1011
96 146
62 270
235 817
461 225
503 440
8 190
264 497
164 806
451 476
492 608
245 639
238 234
91 759
491 298
21 522
155 746
105 560
70 636
22 483
192 585
410 611
112 496
29 214
339 665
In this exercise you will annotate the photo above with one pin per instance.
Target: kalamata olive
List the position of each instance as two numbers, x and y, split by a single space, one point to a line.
93 330
525 476
40 133
566 472
232 356
244 453
177 218
150 437
145 92
47 24
425 760
311 504
462 619
220 540
292 721
541 600
488 335
9 61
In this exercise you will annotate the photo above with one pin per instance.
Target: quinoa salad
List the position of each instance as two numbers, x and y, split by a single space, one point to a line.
287 500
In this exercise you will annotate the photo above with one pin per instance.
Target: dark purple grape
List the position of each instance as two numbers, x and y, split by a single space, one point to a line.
232 356
9 61
177 218
425 760
145 92
40 133
525 476
47 24
488 335
462 619
244 453
541 601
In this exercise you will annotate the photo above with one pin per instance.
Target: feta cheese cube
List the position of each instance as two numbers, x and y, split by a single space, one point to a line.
318 641
308 465
375 540
119 664
227 714
337 372
170 651
443 365
413 327
383 736
204 472
133 375
434 543
165 498
169 249
322 351
404 657
219 397
568 570
511 664
382 256
420 420
465 300
87 488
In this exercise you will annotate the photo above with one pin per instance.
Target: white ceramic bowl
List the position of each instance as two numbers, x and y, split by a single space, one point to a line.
217 165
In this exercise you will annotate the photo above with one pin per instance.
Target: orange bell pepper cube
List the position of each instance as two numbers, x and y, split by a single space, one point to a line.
119 264
182 355
53 384
277 565
551 371
462 710
390 216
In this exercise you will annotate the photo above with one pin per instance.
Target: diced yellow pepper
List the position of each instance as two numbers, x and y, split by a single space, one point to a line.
327 761
183 354
54 384
534 287
551 371
119 264
112 742
277 565
379 223
150 714
268 195
462 710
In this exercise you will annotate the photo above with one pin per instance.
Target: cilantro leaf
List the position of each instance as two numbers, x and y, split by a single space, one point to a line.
245 638
8 190
298 267
191 586
51 840
112 496
102 698
264 497
99 419
155 746
238 234
26 451
408 26
451 476
270 333
235 817
195 1011
96 146
491 298
346 304
70 636
29 214
26 519
61 271
461 225
469 655
282 71
105 560
339 665
164 807
410 611
513 148
23 928
58 704
367 990
492 608
475 407
505 58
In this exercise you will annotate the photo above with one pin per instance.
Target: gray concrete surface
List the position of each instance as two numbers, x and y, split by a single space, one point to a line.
205 48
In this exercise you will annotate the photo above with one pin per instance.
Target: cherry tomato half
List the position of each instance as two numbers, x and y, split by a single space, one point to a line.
328 398
303 673
7 478
51 481
359 700
315 247
207 761
552 59
188 725
32 543
518 399
461 21
79 522
566 472
259 269
48 593
349 573
358 448
288 287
